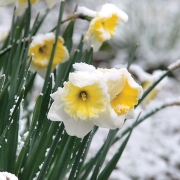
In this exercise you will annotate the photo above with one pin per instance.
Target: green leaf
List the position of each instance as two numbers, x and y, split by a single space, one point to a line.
104 175
32 128
103 154
54 46
67 36
2 80
50 153
111 165
133 54
81 155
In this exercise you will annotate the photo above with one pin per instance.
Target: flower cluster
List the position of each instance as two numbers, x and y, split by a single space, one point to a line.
101 97
41 48
102 27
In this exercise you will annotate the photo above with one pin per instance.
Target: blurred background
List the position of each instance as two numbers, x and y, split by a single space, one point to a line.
154 148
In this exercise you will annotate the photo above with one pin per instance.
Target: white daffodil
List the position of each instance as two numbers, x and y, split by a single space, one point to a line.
103 26
7 176
83 98
102 97
40 49
20 4
124 95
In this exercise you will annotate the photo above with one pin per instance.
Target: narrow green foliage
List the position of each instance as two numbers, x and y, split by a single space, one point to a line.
132 57
2 80
54 46
104 175
154 85
103 154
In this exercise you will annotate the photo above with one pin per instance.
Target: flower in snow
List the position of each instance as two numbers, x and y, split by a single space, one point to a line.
7 176
41 48
91 97
102 27
147 79
20 4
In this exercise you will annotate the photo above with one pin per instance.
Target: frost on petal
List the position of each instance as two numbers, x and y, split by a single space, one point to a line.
84 67
77 128
85 11
103 26
108 9
56 112
115 81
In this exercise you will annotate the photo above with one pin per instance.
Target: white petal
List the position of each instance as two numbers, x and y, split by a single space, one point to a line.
41 72
109 119
84 67
95 43
50 3
109 9
77 128
115 81
56 112
82 78
7 2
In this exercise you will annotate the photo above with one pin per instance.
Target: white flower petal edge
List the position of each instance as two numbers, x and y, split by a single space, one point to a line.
7 2
109 9
78 128
50 3
115 81
109 119
56 112
41 72
84 67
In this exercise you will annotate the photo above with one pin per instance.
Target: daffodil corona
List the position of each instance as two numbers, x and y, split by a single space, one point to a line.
102 97
103 26
40 49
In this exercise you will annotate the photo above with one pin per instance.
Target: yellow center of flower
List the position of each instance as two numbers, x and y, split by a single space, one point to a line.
42 53
83 95
32 1
125 100
83 103
104 28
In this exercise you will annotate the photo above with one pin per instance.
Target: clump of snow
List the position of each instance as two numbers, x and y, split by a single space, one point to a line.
86 11
7 176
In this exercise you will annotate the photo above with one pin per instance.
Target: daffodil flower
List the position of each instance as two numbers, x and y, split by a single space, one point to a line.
103 26
102 97
20 4
40 49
